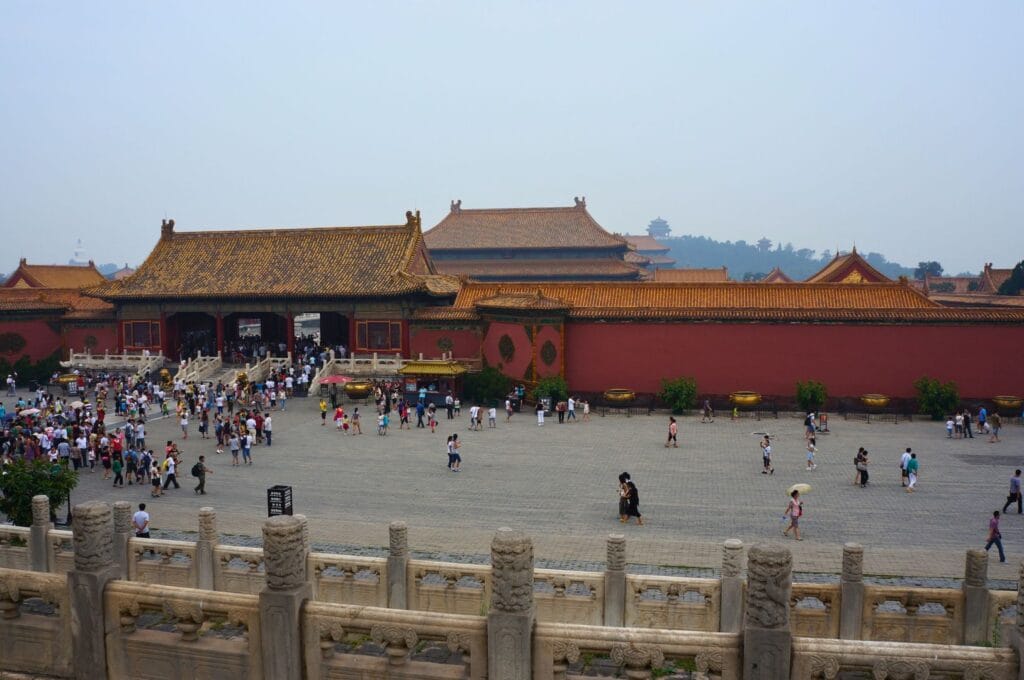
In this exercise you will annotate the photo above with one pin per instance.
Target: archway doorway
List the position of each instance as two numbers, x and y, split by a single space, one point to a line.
189 333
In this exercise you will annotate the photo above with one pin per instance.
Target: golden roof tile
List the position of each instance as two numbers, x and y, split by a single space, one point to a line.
54 275
540 268
645 243
848 268
715 275
273 263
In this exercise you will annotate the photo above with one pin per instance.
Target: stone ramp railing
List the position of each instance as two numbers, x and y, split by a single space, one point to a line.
128 629
201 368
137 363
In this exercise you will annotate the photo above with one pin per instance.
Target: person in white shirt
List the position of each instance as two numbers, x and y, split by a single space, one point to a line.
492 417
268 429
904 473
140 521
171 478
571 410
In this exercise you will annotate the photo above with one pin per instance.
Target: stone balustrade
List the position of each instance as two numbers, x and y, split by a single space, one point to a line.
133 608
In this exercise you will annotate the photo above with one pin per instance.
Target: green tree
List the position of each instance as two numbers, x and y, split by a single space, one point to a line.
554 387
935 398
486 387
24 479
679 393
931 268
811 395
1014 284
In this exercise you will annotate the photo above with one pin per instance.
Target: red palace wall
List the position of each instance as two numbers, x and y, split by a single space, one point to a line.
544 334
465 342
518 367
106 338
849 359
41 338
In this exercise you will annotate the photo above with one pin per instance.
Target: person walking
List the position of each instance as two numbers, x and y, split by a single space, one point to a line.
912 467
904 474
794 511
171 466
766 456
994 537
508 409
623 493
456 459
540 414
140 522
996 422
199 471
862 468
968 432
811 450
268 429
357 428
421 409
118 467
1014 493
323 412
632 507
154 479
449 406
673 432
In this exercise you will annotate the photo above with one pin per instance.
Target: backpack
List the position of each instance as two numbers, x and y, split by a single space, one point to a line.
197 470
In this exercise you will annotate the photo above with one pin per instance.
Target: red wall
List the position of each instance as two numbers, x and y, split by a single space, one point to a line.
518 367
106 338
850 360
40 339
466 343
545 333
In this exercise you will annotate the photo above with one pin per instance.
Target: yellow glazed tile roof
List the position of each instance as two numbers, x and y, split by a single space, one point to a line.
448 369
717 275
645 243
272 263
55 275
53 299
848 268
529 228
519 268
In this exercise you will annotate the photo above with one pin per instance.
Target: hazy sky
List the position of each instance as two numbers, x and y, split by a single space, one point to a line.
895 125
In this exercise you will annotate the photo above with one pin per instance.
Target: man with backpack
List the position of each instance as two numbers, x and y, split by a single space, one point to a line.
199 471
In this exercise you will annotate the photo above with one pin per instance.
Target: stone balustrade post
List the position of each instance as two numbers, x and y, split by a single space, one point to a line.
206 569
615 581
398 565
38 551
285 558
731 609
512 613
851 592
93 537
122 532
767 636
975 589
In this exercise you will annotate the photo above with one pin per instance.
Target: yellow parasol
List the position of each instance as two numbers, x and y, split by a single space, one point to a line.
802 488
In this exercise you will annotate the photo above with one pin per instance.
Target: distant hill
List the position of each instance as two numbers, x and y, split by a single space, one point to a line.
751 261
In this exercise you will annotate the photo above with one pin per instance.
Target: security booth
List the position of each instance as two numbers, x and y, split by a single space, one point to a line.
432 379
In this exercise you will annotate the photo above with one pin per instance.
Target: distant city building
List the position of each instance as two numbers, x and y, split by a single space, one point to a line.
658 228
122 273
530 244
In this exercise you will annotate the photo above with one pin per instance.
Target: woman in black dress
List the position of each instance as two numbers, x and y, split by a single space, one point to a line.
632 503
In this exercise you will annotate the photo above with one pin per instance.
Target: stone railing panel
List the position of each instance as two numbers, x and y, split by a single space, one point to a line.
924 615
35 623
815 610
816 658
168 563
1002 618
670 602
569 596
344 641
214 635
449 588
238 569
62 550
14 547
349 579
557 647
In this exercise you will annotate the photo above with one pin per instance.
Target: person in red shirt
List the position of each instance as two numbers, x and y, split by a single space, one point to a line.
673 432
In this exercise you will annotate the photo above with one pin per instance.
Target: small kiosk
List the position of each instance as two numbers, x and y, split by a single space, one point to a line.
432 378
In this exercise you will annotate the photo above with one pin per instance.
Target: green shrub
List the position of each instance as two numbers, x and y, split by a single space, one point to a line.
24 479
554 387
810 395
936 399
28 371
679 393
486 387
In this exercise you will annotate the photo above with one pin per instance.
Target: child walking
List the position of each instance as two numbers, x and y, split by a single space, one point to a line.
794 511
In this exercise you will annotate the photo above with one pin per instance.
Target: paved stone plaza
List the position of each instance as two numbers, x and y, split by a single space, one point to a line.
558 483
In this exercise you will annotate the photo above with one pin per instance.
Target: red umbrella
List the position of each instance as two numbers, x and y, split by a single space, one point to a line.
336 379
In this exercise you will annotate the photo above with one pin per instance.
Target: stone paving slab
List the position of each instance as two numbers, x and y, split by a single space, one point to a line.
558 483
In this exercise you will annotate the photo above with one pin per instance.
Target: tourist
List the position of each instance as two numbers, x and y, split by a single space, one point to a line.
958 426
706 414
170 466
339 416
432 417
862 468
994 536
794 511
811 449
492 417
450 447
623 493
1014 493
248 439
571 410
560 410
586 411
473 411
809 426
140 522
421 410
508 409
154 479
912 470
673 432
949 427
268 429
997 423
449 405
632 504
199 471
540 414
118 466
968 432
982 420
380 425
766 456
857 465
456 459
904 473
356 427
323 412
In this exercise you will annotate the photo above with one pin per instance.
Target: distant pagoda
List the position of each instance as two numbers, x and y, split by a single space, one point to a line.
658 228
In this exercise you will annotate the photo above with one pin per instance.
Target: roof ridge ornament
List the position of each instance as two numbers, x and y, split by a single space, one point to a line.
166 227
456 207
580 202
412 219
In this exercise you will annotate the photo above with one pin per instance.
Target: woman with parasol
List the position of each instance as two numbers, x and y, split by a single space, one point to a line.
795 509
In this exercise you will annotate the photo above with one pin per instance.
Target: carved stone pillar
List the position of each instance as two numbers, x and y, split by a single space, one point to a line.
38 552
731 617
767 637
122 532
205 557
93 527
615 581
398 565
285 555
511 618
851 592
975 588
